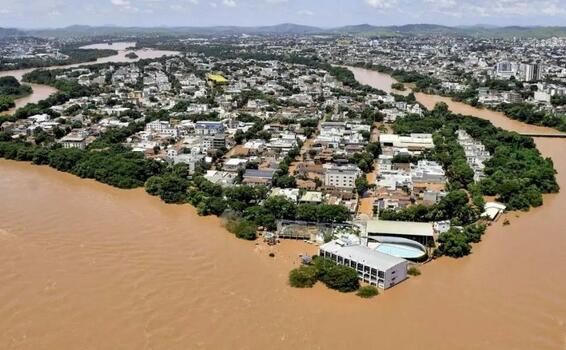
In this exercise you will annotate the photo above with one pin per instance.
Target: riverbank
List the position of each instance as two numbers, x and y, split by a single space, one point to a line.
162 277
499 119
41 92
178 281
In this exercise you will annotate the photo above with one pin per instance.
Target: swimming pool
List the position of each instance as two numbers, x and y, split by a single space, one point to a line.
399 250
397 246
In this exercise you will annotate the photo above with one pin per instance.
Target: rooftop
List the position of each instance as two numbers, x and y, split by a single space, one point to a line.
402 228
363 254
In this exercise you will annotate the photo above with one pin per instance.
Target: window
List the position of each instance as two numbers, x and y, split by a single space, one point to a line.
381 274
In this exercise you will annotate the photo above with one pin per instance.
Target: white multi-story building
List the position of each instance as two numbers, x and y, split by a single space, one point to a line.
162 128
414 143
76 139
376 268
343 177
427 171
208 128
476 154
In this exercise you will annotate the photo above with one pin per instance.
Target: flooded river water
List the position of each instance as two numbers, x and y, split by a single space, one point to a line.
87 266
40 92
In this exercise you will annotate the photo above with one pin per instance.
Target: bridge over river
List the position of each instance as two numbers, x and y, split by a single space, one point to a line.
551 135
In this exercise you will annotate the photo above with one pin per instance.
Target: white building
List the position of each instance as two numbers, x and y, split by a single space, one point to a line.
376 268
208 128
75 139
162 128
342 176
421 232
414 143
235 164
427 171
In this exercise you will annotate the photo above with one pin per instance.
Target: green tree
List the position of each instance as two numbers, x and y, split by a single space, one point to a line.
303 277
454 243
332 213
367 292
280 207
334 276
362 185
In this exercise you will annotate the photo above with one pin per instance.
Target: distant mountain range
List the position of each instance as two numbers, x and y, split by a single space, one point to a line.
295 29
10 32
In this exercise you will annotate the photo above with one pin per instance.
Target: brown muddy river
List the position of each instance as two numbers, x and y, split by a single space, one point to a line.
87 266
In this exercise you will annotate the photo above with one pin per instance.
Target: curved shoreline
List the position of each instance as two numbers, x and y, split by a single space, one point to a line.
499 119
162 277
41 92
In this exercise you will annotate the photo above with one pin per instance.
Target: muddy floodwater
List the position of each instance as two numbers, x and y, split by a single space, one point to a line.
87 266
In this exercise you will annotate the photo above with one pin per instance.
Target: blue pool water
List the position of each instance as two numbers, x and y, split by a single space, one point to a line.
400 250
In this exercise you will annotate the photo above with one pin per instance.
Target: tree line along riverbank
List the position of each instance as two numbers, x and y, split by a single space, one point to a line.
516 174
523 112
75 55
10 90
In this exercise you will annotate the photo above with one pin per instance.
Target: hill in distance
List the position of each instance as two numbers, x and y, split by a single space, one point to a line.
367 30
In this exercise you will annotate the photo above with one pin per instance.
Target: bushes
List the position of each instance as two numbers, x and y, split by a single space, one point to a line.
244 229
303 277
454 206
413 271
454 243
6 103
114 167
367 292
170 188
334 276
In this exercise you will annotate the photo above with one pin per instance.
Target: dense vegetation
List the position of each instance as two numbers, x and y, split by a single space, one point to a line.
529 114
516 174
11 89
456 242
67 90
422 82
367 292
334 276
75 54
117 167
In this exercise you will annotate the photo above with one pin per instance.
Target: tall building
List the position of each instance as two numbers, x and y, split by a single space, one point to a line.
506 69
532 72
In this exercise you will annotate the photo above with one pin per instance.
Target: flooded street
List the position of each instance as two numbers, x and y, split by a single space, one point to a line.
87 266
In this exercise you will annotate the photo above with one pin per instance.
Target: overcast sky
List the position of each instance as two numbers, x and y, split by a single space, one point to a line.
324 13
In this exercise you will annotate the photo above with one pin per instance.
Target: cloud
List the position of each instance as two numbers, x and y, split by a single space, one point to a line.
229 3
120 2
441 3
381 4
305 13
